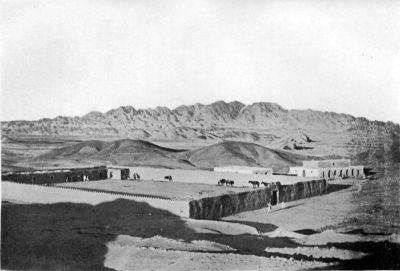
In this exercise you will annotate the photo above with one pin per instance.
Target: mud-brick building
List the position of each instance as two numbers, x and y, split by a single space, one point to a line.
50 176
328 169
118 173
244 170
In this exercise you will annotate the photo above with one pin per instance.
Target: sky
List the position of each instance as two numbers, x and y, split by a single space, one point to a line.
72 57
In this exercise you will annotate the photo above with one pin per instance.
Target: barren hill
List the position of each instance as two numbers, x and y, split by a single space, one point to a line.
121 152
243 154
138 152
268 124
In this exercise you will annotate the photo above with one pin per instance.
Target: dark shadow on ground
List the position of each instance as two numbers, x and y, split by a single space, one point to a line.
69 236
336 187
261 227
383 255
306 231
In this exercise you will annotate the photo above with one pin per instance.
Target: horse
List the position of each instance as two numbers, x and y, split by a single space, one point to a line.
230 182
255 183
221 182
168 178
266 184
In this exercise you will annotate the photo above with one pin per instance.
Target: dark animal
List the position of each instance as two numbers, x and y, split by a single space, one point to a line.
136 176
266 184
230 182
168 178
255 183
221 182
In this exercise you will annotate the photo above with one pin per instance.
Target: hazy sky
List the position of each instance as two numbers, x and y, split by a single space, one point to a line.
72 57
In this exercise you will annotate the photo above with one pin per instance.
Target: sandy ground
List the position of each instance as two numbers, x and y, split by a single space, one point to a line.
311 213
172 190
126 235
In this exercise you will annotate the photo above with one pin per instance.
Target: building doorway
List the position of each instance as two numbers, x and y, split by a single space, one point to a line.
274 199
304 173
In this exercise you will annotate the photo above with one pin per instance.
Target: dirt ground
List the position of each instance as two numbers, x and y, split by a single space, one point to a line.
323 232
313 213
172 190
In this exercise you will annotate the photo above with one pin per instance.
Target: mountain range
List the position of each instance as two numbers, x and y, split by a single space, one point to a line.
268 124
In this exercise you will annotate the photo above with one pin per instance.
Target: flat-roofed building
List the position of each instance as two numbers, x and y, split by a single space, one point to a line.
328 169
118 173
244 170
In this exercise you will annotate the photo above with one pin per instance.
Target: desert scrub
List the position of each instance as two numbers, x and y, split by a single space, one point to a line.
377 205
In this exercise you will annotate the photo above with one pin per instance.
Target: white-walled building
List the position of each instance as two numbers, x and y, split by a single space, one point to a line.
244 170
328 169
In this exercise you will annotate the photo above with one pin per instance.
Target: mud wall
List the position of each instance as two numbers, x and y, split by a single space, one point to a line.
56 176
302 190
225 205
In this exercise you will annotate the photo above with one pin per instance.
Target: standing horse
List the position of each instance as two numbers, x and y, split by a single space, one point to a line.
230 182
255 183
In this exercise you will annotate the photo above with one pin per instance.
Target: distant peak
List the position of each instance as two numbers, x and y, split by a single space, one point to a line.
267 106
122 109
237 103
220 102
93 114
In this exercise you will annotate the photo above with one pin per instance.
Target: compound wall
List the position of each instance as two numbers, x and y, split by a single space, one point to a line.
225 205
56 176
205 208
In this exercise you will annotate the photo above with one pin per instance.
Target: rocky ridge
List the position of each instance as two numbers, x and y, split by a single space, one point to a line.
265 123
